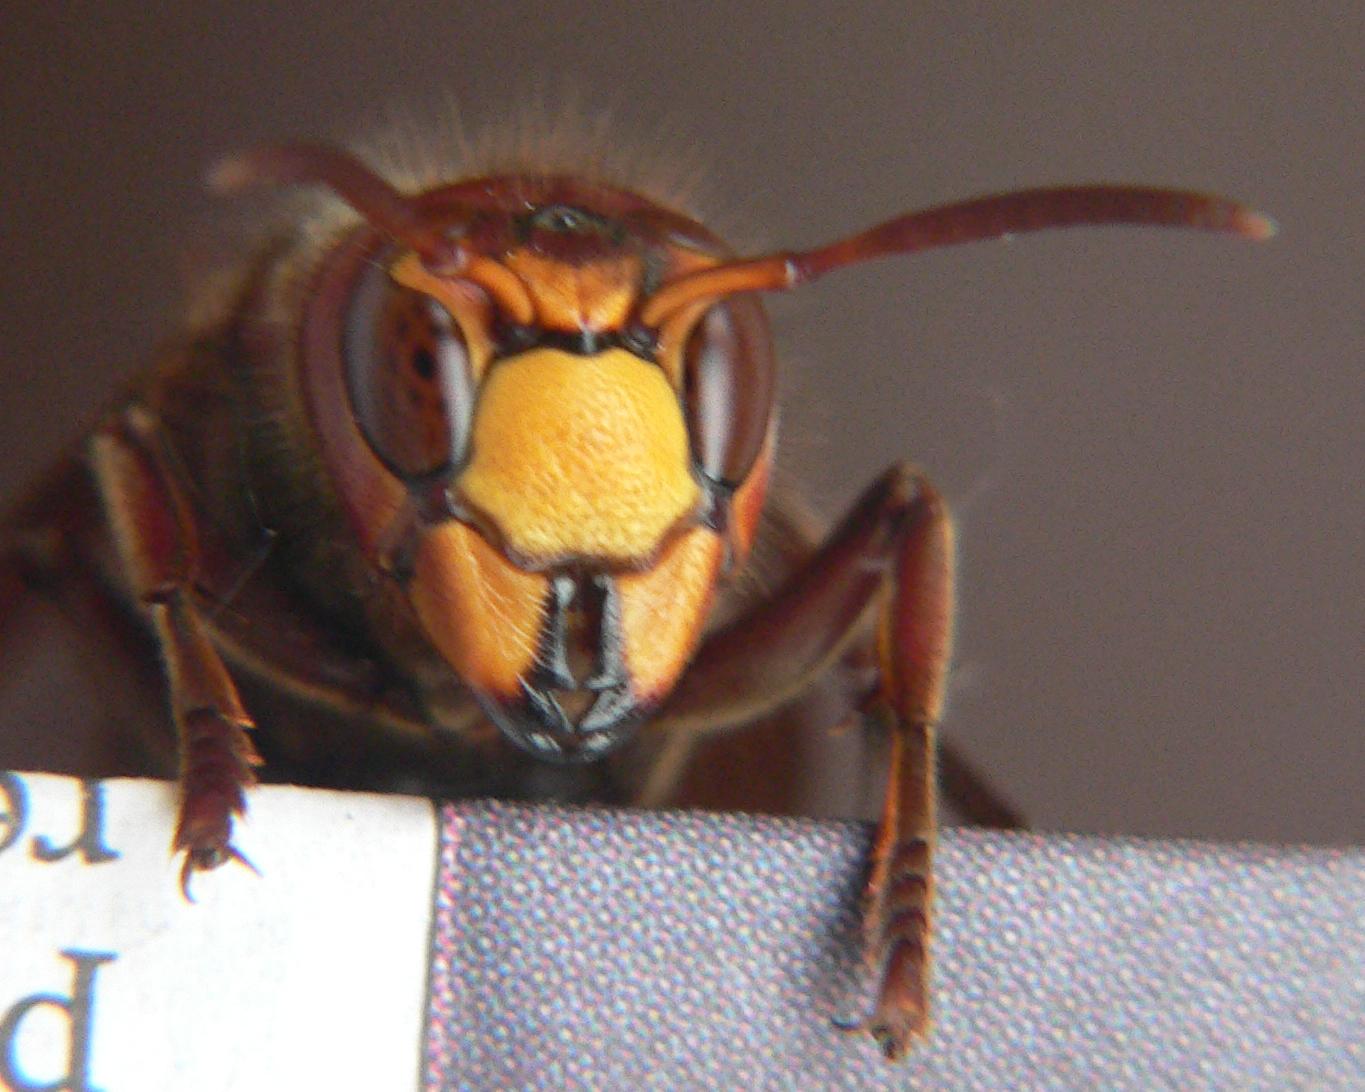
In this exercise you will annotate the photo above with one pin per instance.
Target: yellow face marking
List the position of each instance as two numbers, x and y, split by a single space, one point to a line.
483 614
663 608
579 456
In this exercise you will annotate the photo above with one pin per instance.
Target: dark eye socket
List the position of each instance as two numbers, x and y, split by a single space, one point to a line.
730 381
407 370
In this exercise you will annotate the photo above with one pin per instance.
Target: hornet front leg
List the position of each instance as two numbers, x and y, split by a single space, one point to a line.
894 551
154 534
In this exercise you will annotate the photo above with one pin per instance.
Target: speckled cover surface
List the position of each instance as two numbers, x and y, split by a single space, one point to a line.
607 950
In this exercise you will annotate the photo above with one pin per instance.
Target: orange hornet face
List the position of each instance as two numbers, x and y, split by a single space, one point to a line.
546 406
557 485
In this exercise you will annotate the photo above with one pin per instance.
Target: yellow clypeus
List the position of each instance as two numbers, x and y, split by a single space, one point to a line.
579 456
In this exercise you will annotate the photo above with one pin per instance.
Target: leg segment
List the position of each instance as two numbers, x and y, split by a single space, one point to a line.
915 646
770 655
154 534
895 550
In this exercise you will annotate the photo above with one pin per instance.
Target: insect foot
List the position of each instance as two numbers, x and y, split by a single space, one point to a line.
897 909
217 769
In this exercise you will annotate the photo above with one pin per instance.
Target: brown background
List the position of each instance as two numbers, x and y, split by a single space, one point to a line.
1154 439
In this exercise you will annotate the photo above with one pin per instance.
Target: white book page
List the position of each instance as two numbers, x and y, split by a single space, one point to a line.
309 975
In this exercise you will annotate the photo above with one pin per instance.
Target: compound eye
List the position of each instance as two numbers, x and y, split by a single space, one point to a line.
729 384
407 369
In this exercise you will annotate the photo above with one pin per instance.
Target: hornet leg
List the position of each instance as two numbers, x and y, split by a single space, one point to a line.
155 537
894 554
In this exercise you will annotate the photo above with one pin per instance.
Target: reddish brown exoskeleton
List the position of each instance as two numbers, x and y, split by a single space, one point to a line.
465 477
